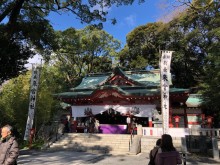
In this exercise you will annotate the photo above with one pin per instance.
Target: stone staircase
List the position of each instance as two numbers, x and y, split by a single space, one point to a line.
96 143
148 142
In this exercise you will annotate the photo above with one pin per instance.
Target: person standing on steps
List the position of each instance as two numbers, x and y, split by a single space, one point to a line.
9 150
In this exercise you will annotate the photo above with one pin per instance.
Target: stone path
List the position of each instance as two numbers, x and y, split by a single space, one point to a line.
84 158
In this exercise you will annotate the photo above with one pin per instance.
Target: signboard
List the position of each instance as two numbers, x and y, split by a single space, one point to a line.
164 78
32 100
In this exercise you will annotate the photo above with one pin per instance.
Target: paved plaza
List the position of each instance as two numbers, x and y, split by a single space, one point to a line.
83 158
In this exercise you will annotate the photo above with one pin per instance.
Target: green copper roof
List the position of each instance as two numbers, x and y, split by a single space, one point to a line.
143 78
147 78
194 100
91 81
145 83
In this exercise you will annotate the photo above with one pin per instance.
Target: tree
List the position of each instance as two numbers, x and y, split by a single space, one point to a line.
194 27
13 102
188 35
14 99
144 44
194 35
26 40
24 26
85 51
210 80
210 86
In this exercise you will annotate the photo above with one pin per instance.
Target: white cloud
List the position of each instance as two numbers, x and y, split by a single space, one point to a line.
101 8
36 60
131 20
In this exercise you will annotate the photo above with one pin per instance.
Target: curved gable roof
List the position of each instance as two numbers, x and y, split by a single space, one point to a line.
91 81
137 78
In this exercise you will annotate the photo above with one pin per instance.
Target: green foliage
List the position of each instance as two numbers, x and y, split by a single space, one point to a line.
13 56
25 30
194 35
210 84
14 100
84 51
190 35
143 42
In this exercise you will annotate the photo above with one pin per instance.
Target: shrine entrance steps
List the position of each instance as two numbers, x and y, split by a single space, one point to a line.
95 143
149 142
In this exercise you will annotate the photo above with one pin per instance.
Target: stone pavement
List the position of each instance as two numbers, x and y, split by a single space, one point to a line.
85 158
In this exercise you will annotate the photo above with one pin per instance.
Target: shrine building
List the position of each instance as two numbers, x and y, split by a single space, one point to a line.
119 98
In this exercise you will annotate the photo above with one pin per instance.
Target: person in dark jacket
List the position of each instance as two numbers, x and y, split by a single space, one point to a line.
9 150
154 151
167 153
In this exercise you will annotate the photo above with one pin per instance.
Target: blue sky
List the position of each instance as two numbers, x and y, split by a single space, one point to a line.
128 18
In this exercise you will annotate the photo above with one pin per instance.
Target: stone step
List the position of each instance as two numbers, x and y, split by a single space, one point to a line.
90 145
95 138
97 135
99 143
148 143
91 140
102 149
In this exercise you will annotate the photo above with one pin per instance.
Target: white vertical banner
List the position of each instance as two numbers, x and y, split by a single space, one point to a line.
164 78
32 100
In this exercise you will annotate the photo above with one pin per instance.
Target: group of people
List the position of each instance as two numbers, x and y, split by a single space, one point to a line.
8 147
164 153
91 125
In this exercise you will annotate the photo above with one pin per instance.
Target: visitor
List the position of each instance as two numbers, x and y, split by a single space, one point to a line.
133 126
153 152
96 126
128 121
167 153
8 147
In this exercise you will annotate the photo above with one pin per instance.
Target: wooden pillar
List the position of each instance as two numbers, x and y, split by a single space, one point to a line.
150 123
185 117
170 117
73 124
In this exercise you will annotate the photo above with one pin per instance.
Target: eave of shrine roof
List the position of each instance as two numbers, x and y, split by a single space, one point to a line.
73 94
124 91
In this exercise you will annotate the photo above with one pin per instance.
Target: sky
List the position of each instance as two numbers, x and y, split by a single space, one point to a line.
128 18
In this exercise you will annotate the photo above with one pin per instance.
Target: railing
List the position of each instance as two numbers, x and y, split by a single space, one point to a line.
214 132
182 132
131 138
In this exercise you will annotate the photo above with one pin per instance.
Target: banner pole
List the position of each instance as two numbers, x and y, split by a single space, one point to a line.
165 80
32 100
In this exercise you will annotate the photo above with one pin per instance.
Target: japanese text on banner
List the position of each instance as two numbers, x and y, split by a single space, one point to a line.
32 100
165 75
